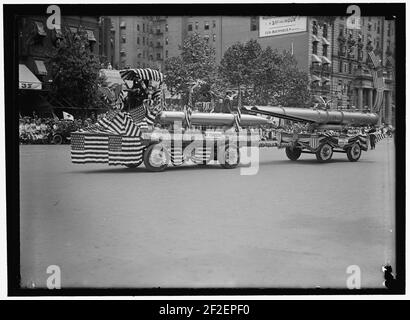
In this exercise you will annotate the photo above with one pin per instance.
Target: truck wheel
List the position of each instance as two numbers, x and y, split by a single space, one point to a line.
293 153
324 153
57 139
354 152
230 157
156 157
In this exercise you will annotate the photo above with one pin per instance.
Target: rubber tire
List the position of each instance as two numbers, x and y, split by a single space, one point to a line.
227 165
349 153
147 154
293 154
319 156
57 139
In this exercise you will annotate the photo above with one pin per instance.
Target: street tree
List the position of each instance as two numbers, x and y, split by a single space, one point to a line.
239 62
196 62
75 71
269 76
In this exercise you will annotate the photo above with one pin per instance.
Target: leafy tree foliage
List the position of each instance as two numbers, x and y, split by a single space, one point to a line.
75 71
269 77
196 62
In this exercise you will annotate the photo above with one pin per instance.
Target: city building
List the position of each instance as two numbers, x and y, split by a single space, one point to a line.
137 42
106 43
35 46
352 82
306 38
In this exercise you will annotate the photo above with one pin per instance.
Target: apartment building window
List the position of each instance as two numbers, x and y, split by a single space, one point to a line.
166 54
166 41
158 56
190 27
341 66
314 48
388 29
369 27
138 40
314 28
342 51
214 37
213 23
378 27
143 41
206 25
350 68
325 46
325 30
206 38
360 55
341 30
196 25
143 27
345 68
138 27
166 27
123 25
124 40
254 23
139 55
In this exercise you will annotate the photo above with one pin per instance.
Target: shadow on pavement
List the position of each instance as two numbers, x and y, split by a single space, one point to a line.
120 170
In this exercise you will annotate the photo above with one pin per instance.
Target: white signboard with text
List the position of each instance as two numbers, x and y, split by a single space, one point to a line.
274 26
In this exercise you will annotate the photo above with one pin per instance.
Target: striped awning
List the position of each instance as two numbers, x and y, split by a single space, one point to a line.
315 58
142 74
325 60
27 80
314 38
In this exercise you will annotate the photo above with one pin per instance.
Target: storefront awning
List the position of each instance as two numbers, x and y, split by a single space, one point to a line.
27 80
315 58
325 60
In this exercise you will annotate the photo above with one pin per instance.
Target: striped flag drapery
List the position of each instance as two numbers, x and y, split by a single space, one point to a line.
114 139
378 136
374 59
105 148
142 74
378 83
187 114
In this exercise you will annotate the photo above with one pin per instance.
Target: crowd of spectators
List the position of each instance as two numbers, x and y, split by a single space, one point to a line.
46 130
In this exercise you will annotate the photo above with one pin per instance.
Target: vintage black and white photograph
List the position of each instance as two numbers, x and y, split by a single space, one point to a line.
211 148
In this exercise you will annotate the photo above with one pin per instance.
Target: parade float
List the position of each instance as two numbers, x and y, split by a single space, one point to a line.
326 132
138 130
143 133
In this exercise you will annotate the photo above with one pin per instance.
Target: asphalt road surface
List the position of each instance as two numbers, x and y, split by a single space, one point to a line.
293 224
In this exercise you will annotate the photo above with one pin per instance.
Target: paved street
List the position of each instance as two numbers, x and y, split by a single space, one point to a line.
294 224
